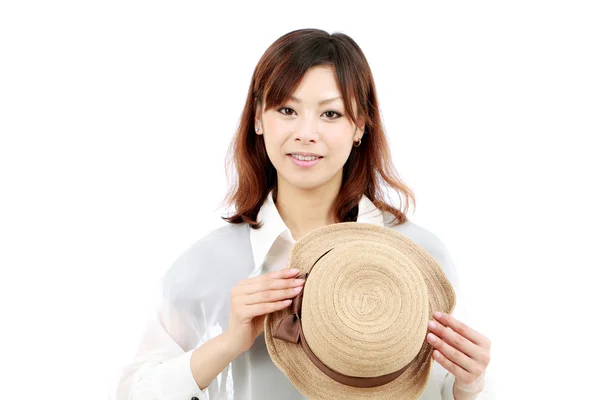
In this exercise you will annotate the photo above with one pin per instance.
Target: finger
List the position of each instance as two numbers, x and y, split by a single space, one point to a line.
456 356
464 330
455 340
256 310
270 284
269 296
284 273
451 367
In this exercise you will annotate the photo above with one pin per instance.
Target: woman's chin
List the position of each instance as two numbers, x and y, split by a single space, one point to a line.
308 183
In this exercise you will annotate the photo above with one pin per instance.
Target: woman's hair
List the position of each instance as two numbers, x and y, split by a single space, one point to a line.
278 73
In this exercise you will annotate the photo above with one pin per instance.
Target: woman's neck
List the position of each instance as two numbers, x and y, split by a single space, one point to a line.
306 210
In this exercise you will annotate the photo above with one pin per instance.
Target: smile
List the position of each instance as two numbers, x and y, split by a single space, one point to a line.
304 162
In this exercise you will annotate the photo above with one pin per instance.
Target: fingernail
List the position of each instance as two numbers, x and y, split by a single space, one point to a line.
431 325
437 314
298 281
431 337
297 289
295 270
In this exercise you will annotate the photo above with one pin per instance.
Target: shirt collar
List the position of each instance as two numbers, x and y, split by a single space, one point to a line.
273 226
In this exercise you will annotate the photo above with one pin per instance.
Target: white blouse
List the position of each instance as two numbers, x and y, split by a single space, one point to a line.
193 307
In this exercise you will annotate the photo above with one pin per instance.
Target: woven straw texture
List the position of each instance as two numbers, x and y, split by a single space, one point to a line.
364 313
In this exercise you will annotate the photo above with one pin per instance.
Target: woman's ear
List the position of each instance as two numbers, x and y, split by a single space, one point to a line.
258 118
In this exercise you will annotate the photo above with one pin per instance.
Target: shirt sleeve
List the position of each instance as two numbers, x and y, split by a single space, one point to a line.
441 254
161 368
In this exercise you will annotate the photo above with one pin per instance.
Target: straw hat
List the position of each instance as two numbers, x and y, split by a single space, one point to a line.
357 330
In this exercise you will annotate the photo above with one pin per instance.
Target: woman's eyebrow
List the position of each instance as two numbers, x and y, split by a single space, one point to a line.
297 100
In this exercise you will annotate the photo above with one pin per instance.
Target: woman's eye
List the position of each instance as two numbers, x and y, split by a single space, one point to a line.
332 114
286 110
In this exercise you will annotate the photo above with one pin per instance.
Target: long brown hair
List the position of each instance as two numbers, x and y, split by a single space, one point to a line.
276 76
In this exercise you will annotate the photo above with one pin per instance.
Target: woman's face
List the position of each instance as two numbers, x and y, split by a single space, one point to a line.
310 123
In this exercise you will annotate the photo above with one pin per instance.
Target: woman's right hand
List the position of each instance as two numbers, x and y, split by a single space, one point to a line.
253 298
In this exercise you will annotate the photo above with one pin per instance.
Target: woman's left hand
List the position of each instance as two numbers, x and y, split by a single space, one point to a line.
464 352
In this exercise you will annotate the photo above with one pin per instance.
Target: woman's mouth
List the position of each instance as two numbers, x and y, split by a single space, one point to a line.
304 161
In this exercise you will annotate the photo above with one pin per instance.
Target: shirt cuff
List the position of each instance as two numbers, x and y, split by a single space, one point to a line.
448 387
173 379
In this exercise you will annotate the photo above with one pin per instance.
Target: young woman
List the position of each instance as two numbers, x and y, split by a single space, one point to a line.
310 151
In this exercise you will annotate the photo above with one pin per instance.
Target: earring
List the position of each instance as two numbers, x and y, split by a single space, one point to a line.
356 144
256 129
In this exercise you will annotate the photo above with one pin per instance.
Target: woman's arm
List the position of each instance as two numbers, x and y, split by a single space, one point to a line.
211 358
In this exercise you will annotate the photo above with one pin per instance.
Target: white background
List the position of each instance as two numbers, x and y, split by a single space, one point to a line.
115 118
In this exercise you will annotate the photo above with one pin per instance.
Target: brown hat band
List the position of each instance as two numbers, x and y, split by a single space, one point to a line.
290 330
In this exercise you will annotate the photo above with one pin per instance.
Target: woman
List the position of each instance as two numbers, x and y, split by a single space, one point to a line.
310 151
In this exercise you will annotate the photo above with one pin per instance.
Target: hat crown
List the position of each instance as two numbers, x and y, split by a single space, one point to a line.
365 309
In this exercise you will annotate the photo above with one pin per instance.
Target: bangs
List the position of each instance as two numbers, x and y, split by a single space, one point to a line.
284 73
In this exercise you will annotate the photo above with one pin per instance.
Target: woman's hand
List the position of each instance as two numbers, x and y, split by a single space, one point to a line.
252 298
461 350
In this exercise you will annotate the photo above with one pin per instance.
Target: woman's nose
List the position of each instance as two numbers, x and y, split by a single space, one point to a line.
306 130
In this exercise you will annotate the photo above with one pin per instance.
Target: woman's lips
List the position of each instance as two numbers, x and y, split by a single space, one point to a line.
304 164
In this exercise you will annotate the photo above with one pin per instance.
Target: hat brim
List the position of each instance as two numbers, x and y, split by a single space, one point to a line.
291 359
